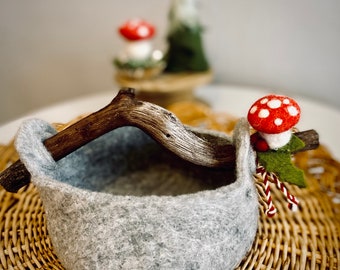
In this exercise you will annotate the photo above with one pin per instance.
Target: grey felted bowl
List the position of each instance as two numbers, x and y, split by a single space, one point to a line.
124 202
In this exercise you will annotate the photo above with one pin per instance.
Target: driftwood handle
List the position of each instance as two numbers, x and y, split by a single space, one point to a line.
160 124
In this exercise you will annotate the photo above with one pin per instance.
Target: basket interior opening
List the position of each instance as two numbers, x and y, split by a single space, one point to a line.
170 176
134 164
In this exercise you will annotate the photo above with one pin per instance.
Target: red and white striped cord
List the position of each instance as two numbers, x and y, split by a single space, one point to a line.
271 177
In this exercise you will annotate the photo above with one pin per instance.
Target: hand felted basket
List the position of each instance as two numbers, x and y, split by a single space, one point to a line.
123 202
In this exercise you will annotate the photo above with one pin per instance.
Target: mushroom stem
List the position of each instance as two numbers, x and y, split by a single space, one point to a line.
278 140
138 50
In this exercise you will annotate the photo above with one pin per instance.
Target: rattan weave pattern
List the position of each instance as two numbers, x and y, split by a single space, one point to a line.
307 239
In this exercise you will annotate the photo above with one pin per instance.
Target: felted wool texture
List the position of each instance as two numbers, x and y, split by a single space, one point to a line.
91 227
273 114
280 162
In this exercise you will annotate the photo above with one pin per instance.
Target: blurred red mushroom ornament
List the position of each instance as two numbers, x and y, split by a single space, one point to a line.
274 117
138 58
138 33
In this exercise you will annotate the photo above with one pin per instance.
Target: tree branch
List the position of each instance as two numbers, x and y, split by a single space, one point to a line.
160 124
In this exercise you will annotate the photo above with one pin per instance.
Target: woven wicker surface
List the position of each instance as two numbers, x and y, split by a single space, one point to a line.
307 239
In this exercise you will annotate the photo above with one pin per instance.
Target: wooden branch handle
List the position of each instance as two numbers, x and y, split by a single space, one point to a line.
160 124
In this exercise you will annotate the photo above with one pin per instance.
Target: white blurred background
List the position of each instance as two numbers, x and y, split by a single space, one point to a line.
51 51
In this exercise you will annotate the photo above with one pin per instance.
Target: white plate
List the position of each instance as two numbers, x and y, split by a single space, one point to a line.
232 99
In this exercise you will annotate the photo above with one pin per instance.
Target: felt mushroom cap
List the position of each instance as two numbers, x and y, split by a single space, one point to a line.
274 114
137 29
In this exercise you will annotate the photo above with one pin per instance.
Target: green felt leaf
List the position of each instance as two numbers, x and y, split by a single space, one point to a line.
293 145
280 163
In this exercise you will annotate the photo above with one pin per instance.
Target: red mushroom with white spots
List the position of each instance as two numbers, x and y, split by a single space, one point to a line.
274 116
138 34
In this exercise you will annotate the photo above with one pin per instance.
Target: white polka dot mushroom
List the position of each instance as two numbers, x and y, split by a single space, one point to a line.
274 116
138 34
